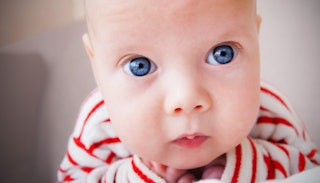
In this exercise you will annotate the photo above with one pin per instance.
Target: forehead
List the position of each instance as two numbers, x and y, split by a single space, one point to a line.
117 5
97 9
106 16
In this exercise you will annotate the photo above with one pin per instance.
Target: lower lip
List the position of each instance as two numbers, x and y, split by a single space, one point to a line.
191 143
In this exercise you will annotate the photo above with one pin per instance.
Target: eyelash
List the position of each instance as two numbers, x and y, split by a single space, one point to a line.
136 65
225 50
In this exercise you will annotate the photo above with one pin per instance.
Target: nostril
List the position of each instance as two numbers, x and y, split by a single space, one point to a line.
177 110
198 107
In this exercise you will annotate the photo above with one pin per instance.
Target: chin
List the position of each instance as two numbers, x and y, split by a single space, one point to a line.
191 163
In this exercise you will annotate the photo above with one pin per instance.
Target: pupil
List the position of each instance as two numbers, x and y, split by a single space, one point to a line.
223 54
140 66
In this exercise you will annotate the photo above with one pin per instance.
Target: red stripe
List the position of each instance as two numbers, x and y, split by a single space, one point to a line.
87 169
315 162
312 153
82 146
102 142
254 161
264 109
110 157
62 170
68 178
283 149
265 90
94 109
304 134
107 120
140 173
79 143
276 121
271 169
72 161
302 162
96 145
281 141
238 165
279 167
89 115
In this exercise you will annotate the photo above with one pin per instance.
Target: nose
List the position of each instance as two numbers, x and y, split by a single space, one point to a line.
186 94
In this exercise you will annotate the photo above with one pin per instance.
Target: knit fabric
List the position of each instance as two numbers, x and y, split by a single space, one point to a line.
278 146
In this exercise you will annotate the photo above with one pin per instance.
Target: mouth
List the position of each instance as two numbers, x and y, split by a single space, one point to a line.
190 140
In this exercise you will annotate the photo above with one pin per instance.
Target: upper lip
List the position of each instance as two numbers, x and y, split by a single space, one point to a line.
190 136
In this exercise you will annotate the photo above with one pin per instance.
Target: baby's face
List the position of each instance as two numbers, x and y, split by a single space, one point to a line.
180 78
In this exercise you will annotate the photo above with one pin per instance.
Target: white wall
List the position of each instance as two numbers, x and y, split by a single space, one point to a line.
20 19
290 59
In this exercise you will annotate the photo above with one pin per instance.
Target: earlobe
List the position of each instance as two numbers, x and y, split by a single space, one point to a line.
259 20
87 45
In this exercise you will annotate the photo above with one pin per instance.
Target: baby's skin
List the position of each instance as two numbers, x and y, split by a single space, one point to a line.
181 72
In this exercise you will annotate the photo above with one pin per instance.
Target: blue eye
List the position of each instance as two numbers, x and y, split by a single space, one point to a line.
221 55
140 66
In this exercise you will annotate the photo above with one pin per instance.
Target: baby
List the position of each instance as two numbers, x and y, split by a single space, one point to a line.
179 98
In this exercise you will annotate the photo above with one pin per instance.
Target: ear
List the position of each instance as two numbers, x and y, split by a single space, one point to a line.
259 20
90 53
87 45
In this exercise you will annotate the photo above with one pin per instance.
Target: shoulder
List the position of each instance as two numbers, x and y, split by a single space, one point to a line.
93 118
277 118
93 130
271 98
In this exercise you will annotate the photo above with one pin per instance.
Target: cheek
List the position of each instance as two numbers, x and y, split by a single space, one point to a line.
247 109
239 106
247 98
133 116
126 125
239 119
136 129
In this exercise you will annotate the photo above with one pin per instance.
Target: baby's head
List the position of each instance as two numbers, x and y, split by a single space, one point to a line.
180 78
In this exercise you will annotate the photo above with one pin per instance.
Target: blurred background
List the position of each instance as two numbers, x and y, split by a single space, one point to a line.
24 18
45 74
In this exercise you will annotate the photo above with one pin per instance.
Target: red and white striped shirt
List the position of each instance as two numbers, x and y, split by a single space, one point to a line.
278 146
